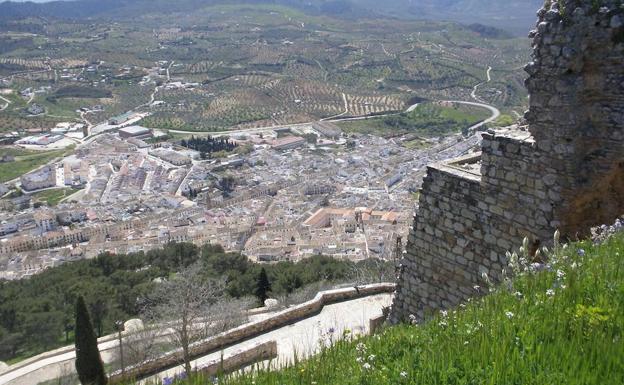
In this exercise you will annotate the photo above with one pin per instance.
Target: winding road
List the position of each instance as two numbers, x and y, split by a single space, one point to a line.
476 88
495 112
6 105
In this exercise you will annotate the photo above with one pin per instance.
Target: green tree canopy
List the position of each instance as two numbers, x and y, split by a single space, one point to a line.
88 361
263 286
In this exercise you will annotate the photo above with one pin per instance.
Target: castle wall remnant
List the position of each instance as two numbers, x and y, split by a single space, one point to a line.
566 172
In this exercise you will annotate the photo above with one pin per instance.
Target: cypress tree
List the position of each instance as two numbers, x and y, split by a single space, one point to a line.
263 286
88 361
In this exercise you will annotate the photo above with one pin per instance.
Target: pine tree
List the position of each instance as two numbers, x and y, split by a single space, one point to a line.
263 286
88 361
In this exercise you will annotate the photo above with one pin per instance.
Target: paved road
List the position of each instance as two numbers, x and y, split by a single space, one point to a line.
6 105
476 88
495 112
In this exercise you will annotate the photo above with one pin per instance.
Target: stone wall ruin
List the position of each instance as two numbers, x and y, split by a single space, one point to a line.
566 172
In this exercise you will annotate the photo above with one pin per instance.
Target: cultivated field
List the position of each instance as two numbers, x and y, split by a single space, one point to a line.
250 66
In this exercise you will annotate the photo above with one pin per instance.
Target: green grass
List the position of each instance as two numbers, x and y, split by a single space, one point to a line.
563 326
428 119
504 121
416 144
25 161
53 197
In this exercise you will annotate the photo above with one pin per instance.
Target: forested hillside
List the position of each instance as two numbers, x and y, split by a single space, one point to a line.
37 314
558 323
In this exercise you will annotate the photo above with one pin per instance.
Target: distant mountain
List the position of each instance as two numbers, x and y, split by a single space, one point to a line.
515 16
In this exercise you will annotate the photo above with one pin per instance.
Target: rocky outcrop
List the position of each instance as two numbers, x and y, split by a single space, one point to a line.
566 172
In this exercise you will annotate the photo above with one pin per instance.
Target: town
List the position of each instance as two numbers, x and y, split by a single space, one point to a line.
282 194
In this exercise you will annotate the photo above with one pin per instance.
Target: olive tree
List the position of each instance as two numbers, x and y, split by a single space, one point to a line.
190 307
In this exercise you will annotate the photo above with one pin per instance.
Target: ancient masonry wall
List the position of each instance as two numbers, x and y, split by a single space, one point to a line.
566 172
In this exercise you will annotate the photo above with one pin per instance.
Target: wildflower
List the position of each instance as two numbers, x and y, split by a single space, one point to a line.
371 357
560 274
485 277
563 286
550 292
412 319
581 252
514 262
443 323
509 314
359 360
556 237
574 265
444 313
403 374
536 267
476 287
465 342
360 347
167 381
331 330
366 365
518 294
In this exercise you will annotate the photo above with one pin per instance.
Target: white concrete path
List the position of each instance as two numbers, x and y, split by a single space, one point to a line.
304 337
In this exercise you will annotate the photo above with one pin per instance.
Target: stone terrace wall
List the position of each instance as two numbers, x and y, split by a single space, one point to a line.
467 221
566 173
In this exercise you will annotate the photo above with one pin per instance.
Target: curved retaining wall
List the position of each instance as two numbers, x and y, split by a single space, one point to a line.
252 329
51 354
240 359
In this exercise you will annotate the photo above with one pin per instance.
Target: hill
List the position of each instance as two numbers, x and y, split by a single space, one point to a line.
239 66
36 314
560 323
514 15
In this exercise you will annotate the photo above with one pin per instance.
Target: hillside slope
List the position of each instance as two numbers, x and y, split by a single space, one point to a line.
560 323
516 16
